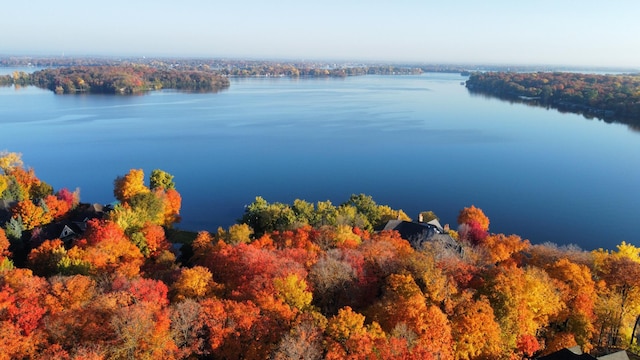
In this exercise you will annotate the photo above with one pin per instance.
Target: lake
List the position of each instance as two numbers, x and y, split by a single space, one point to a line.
412 142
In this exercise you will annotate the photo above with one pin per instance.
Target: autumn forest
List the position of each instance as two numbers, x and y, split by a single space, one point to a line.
608 97
129 79
288 281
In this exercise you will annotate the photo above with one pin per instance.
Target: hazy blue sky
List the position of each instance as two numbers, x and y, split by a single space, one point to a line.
558 32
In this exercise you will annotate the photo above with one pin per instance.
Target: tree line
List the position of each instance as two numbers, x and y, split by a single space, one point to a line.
291 281
608 97
129 79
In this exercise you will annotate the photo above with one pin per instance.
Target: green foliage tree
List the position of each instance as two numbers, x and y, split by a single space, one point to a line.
304 211
264 217
148 207
14 228
161 179
349 215
12 191
40 190
366 206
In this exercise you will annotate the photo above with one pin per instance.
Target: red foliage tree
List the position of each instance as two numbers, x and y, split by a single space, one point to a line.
56 206
70 198
108 250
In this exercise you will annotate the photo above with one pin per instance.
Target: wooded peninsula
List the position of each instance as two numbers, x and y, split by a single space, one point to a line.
126 79
607 97
305 280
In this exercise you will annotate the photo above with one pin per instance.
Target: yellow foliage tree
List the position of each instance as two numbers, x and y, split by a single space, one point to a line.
628 251
475 330
240 233
345 324
194 283
578 290
346 236
129 185
387 213
10 161
293 291
524 300
236 234
4 183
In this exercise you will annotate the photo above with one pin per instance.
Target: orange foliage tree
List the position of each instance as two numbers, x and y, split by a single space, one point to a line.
473 214
4 244
475 331
172 201
524 301
233 329
499 247
348 337
403 302
578 291
31 214
22 309
57 207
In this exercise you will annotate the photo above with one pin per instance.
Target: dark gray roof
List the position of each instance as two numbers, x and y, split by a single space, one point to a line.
566 354
411 230
417 233
87 211
57 231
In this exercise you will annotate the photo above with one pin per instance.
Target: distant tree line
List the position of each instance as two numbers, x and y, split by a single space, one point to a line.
236 67
306 70
127 79
608 97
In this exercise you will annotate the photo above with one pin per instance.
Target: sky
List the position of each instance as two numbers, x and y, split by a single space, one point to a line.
535 32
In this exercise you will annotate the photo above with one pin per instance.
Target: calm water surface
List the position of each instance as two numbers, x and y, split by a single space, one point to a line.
413 142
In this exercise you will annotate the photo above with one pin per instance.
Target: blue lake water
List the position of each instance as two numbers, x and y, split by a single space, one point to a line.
412 142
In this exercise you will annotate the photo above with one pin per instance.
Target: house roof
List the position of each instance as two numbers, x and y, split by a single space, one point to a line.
73 225
619 355
57 230
417 233
87 211
576 353
436 223
411 230
566 354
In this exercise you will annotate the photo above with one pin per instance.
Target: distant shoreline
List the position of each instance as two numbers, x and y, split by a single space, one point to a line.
611 98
